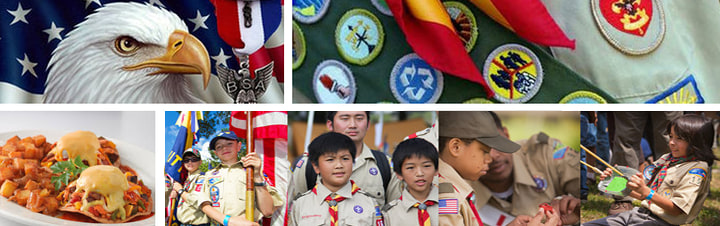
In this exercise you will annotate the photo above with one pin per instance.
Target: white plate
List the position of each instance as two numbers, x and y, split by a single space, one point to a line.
138 159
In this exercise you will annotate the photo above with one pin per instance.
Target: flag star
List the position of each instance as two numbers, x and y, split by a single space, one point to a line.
27 66
88 2
54 32
199 21
156 2
19 14
221 58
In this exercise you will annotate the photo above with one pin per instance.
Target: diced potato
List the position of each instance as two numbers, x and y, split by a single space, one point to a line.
7 188
13 140
31 170
31 185
8 148
39 140
7 173
22 196
19 163
27 140
44 192
35 202
51 205
31 151
17 154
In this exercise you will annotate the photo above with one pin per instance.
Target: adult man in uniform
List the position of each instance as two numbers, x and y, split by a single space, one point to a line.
223 196
542 171
366 170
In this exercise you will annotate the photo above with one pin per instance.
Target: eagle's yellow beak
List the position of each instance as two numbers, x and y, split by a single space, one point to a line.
185 55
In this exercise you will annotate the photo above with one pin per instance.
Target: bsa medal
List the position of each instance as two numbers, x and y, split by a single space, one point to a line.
464 23
359 36
333 82
514 73
381 5
634 27
413 80
298 46
684 92
583 97
309 11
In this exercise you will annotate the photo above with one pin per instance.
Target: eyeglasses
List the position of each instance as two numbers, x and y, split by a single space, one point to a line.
190 160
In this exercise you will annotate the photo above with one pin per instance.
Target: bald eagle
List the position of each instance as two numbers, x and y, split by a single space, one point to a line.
126 53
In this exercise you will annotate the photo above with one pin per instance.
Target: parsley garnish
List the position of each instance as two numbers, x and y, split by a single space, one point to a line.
68 170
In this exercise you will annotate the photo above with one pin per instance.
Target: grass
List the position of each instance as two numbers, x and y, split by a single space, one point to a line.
597 205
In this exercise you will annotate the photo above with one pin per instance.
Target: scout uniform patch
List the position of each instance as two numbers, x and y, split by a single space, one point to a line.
697 175
559 153
414 81
199 185
382 6
647 172
309 11
514 73
373 171
448 206
685 92
215 196
540 182
464 23
634 27
298 46
333 82
583 97
359 36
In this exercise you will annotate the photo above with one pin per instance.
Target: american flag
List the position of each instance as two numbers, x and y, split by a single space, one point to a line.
31 29
448 206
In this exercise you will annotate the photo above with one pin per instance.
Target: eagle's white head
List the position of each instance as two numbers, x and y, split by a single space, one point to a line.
126 53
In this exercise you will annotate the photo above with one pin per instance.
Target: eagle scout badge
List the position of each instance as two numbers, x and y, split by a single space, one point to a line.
634 27
381 5
413 81
359 36
583 97
514 73
464 22
298 46
358 209
333 82
540 183
684 92
309 11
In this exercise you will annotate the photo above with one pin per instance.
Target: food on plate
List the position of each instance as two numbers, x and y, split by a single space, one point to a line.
82 144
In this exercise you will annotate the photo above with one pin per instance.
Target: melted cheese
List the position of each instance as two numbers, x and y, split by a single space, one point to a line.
79 143
108 181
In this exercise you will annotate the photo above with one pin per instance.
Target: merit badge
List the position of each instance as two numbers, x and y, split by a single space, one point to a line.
298 46
478 100
583 97
359 36
634 27
514 73
464 22
373 171
358 209
685 92
448 206
540 183
309 11
412 80
333 82
382 6
648 171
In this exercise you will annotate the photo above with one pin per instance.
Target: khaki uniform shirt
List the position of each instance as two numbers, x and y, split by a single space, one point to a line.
224 189
455 194
310 208
401 212
366 175
186 212
686 185
543 169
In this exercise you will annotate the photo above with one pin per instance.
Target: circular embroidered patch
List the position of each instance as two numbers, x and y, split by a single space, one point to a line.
583 97
634 27
647 172
359 36
412 80
298 46
540 183
464 22
214 194
373 171
309 11
381 5
478 100
358 209
333 82
514 73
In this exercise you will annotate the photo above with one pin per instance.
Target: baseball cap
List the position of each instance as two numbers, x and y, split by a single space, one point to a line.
230 135
192 151
477 125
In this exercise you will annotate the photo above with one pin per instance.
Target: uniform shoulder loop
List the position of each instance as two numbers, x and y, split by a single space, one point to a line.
391 204
542 138
445 188
301 195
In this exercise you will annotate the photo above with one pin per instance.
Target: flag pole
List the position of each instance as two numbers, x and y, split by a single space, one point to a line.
250 183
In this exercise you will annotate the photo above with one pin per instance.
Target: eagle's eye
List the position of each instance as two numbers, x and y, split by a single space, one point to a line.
126 45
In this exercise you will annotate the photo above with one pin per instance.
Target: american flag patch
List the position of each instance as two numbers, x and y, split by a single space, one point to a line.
448 206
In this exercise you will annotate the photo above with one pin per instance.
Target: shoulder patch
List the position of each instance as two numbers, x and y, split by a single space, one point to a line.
634 27
414 81
559 153
697 175
684 92
648 171
381 5
298 46
514 72
300 163
359 36
448 206
464 21
333 82
445 188
583 97
309 11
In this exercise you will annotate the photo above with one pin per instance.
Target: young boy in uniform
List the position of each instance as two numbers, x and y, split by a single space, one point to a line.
336 200
416 163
